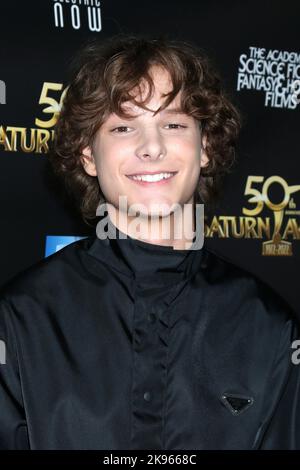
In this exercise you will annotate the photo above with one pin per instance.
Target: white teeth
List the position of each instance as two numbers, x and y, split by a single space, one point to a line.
152 178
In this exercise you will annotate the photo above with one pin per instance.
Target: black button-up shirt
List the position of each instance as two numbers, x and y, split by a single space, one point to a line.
122 344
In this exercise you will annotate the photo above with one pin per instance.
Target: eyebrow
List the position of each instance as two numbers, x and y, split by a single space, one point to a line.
173 111
164 112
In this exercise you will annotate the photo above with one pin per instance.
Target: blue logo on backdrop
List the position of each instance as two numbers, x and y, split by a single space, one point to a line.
55 243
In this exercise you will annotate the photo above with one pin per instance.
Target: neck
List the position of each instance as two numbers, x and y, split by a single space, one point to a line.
176 229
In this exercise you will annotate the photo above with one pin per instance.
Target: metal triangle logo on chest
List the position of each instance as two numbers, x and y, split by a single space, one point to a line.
235 403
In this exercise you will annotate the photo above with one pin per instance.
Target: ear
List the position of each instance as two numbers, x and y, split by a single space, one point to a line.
88 162
204 157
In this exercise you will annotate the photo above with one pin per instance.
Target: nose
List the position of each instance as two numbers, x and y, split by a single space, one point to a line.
152 146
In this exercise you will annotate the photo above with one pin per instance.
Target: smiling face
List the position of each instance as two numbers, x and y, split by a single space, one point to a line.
169 142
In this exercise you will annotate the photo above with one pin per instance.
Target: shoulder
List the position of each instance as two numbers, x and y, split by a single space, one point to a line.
247 289
49 274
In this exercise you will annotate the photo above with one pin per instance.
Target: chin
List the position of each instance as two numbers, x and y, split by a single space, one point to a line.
164 211
148 206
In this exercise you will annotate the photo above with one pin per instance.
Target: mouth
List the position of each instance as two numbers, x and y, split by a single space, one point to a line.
152 179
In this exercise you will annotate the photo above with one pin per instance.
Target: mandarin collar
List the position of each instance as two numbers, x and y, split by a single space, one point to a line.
151 265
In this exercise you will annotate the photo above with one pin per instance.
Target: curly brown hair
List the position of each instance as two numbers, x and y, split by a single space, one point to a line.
104 75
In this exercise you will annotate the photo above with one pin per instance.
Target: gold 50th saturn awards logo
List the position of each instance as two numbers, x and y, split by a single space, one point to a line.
36 139
279 228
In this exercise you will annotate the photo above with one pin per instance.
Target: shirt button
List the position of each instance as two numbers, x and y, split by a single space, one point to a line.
147 396
151 317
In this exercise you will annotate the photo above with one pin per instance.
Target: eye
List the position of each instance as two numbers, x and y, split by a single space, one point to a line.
118 131
178 126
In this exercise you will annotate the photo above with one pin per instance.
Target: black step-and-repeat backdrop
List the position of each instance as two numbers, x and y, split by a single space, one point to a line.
254 45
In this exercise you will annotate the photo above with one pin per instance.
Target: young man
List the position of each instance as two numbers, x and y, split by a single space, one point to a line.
132 339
